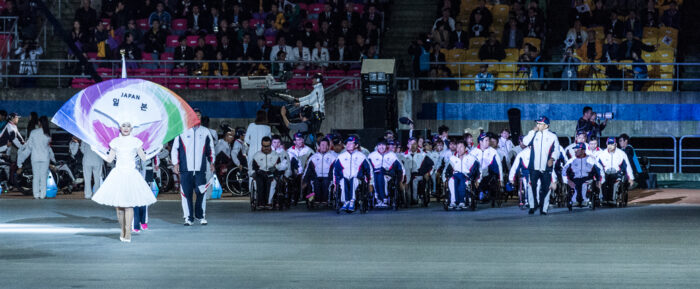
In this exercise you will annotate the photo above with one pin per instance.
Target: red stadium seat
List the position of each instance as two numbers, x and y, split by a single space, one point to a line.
180 72
315 8
179 24
80 83
359 8
354 84
143 24
231 83
314 23
210 39
192 40
172 41
255 22
166 56
92 55
269 41
161 76
177 86
197 84
215 84
105 22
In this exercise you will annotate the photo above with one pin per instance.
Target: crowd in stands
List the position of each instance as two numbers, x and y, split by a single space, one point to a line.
202 32
630 33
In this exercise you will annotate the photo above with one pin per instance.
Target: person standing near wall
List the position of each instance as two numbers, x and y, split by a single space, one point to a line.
545 150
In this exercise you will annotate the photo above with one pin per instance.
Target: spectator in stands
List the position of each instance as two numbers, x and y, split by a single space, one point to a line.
341 53
301 55
120 17
28 52
600 15
536 71
358 47
632 44
437 58
484 79
352 17
135 31
183 8
86 16
320 55
478 28
345 30
215 19
219 68
570 70
486 16
592 50
280 66
535 23
639 68
225 30
78 36
371 53
445 19
228 52
524 69
183 52
292 15
325 34
143 11
328 15
580 11
155 40
375 17
520 16
633 24
441 36
200 67
576 36
281 46
672 17
308 37
245 28
420 57
651 15
262 51
459 38
209 52
611 50
277 17
371 34
615 26
160 15
132 51
197 22
512 35
492 49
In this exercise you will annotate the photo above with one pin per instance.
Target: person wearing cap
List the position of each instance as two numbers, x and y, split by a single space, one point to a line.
544 152
579 172
419 166
318 172
462 169
317 101
299 155
191 152
491 168
10 134
265 164
385 168
351 168
580 138
615 165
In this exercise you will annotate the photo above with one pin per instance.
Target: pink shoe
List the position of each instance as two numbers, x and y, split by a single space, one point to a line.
309 196
135 231
144 227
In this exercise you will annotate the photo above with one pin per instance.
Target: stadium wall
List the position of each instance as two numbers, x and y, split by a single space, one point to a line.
642 113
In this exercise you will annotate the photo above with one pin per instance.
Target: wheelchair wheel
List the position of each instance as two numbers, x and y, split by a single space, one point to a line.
473 197
254 199
427 188
237 182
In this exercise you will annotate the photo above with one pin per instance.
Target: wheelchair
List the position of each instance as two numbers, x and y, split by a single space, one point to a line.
280 198
496 195
470 197
592 194
363 199
616 181
236 181
314 204
424 189
394 194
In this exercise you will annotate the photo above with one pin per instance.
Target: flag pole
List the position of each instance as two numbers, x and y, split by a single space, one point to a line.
123 53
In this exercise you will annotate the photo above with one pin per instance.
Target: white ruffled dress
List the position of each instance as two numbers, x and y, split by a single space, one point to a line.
125 186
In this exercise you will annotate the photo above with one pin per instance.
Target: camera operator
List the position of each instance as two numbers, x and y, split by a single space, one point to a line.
317 101
298 125
570 70
588 123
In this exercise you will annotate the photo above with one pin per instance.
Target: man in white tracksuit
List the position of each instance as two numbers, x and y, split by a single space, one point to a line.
190 153
317 101
544 151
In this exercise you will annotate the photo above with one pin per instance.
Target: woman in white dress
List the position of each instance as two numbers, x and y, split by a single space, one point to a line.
124 187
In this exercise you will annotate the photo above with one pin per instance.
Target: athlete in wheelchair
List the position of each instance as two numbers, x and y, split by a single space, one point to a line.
352 176
387 173
317 175
299 155
491 172
618 172
581 173
519 176
420 166
462 175
267 171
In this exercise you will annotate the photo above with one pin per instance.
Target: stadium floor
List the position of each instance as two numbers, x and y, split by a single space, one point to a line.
74 243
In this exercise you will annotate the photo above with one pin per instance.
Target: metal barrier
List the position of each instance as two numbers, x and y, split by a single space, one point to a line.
659 157
694 154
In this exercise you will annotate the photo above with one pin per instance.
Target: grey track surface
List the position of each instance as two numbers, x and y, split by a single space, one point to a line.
653 246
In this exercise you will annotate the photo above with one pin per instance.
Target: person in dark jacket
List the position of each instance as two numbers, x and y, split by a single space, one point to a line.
492 49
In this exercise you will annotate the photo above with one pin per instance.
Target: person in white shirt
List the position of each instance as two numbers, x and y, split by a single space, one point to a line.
38 145
318 172
491 169
92 169
301 55
593 148
281 46
505 146
615 166
317 100
320 55
545 150
255 133
463 170
579 173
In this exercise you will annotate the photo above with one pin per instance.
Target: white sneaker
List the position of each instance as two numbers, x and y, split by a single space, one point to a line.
188 222
203 222
462 206
452 205
386 201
